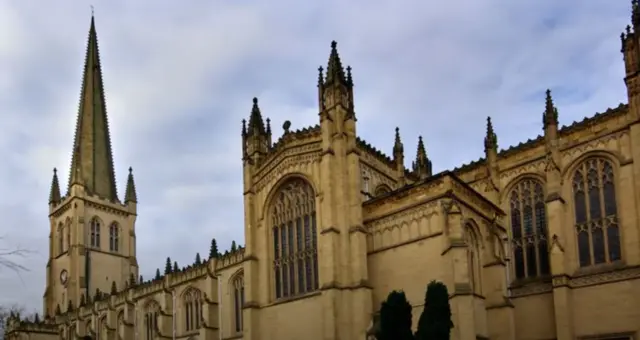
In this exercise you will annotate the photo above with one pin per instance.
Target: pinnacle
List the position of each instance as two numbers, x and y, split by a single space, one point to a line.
54 195
130 194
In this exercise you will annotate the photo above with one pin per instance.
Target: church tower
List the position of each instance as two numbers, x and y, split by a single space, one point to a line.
92 238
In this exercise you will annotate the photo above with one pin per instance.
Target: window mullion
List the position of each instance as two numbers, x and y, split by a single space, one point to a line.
605 226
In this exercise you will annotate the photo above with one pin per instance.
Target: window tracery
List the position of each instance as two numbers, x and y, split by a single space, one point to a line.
596 215
529 230
238 301
95 232
293 223
152 311
114 237
192 309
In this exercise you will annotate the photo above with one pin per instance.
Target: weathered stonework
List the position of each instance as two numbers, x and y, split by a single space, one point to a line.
332 225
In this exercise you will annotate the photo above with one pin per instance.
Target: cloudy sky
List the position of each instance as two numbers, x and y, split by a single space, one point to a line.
179 79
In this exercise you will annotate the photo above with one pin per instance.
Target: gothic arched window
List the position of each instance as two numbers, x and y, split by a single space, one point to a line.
95 232
529 230
114 237
596 213
192 309
67 230
60 239
151 320
473 258
293 224
238 301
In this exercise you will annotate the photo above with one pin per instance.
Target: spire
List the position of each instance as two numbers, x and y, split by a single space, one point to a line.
54 196
422 165
92 160
335 72
130 195
398 148
256 124
550 116
491 139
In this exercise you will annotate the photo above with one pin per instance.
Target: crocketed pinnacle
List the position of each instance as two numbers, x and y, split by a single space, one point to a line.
54 195
131 195
398 148
92 160
422 165
491 139
550 116
256 124
335 71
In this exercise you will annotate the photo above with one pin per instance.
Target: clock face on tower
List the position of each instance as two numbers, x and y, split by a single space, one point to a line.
64 276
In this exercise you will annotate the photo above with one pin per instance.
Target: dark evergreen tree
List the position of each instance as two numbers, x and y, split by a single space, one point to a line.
213 251
198 260
435 321
234 247
114 289
158 277
141 280
36 318
167 266
395 318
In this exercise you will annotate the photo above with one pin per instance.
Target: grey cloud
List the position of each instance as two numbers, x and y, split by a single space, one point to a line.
179 79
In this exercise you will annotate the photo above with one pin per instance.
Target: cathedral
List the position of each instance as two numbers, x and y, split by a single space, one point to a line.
538 241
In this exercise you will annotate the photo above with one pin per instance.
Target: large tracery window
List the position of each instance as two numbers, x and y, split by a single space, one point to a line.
293 223
529 230
596 213
238 301
192 309
95 232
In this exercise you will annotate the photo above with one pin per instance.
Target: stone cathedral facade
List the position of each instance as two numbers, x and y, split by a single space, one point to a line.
538 241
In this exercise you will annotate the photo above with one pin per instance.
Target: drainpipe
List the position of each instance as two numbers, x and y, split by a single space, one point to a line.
219 277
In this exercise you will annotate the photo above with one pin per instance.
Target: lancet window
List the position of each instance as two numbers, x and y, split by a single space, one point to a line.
60 239
238 301
294 230
95 232
192 309
114 237
596 212
151 315
529 230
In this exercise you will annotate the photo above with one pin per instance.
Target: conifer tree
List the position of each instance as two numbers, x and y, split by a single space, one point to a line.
234 247
435 321
141 279
213 251
175 267
158 277
36 318
395 318
167 267
198 260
